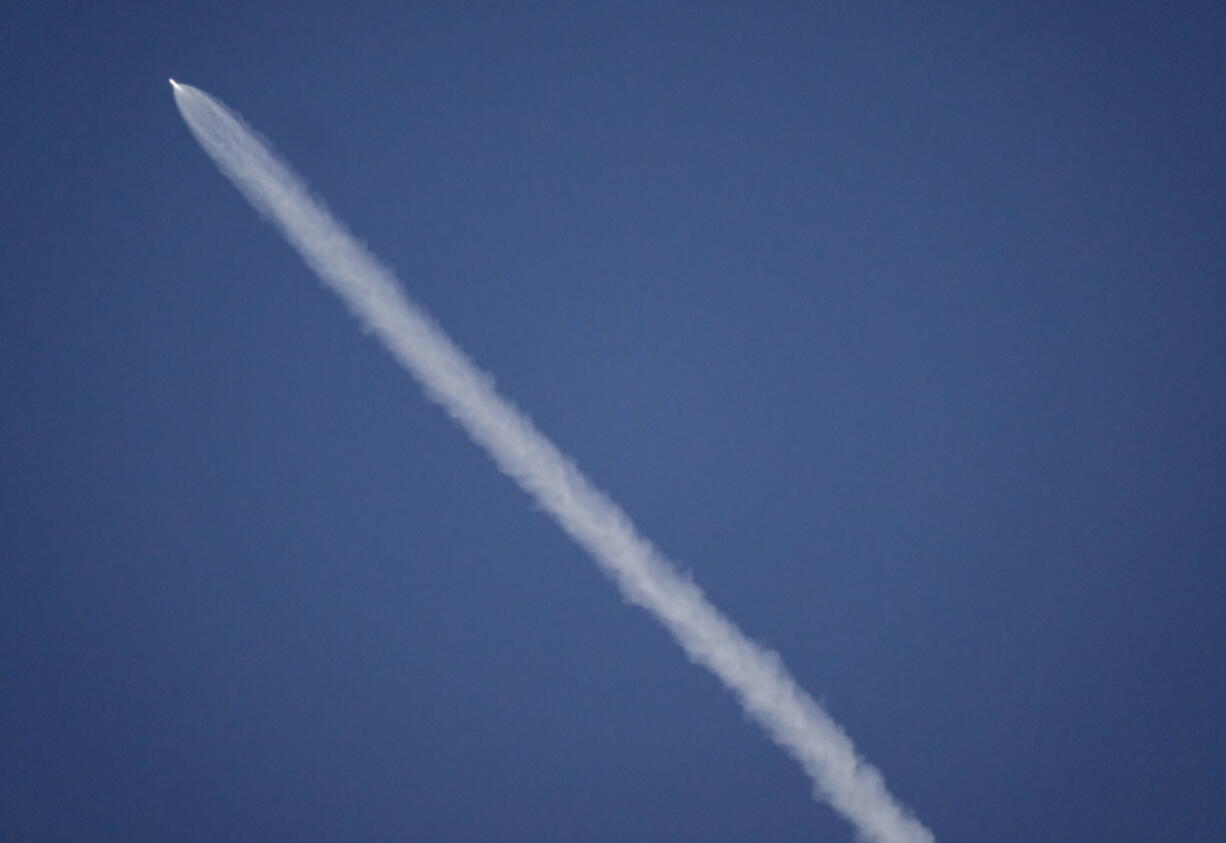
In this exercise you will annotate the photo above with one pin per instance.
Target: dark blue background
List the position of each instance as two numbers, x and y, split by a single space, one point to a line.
899 325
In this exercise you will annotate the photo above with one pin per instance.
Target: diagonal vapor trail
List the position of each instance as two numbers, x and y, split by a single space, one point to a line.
754 675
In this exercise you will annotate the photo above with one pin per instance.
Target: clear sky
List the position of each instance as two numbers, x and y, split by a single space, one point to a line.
899 327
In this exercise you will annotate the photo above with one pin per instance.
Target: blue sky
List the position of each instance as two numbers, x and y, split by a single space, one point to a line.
899 328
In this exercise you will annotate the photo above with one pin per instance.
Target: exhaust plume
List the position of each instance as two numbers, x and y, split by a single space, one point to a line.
754 675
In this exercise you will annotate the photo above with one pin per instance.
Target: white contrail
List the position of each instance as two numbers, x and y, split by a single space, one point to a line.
754 675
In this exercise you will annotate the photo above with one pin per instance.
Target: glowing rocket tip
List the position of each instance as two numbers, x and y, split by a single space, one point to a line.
174 84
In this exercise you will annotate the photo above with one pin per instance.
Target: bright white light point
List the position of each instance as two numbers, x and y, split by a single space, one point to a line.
174 84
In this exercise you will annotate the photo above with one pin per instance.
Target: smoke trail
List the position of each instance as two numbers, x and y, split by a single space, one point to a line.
754 675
